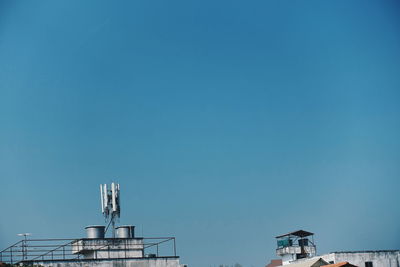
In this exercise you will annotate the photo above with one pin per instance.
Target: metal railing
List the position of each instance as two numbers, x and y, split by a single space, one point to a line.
31 251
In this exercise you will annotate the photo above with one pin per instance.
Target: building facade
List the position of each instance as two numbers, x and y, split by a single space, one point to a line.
298 247
379 258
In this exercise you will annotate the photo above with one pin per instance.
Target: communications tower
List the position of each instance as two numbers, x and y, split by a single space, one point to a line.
110 204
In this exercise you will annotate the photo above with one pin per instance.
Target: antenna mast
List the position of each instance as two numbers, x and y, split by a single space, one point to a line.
110 207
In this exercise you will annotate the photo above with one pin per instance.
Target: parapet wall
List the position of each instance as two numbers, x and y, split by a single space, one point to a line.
109 248
388 258
137 262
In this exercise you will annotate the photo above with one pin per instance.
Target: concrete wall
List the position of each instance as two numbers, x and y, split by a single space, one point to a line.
289 254
288 258
143 262
112 254
378 258
109 248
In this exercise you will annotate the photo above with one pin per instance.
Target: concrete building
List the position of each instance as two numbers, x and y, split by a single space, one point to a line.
128 262
123 249
298 248
315 262
295 245
378 258
383 258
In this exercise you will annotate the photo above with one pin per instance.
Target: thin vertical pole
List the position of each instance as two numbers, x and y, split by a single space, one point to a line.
25 247
125 248
113 226
174 247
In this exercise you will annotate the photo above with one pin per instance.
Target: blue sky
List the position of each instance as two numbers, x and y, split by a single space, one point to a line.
226 123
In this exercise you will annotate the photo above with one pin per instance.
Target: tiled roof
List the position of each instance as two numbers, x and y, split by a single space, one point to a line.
340 264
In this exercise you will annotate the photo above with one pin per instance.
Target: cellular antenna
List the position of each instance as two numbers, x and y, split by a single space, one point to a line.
110 206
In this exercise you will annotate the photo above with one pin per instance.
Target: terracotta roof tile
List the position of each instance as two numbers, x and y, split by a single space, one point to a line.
340 264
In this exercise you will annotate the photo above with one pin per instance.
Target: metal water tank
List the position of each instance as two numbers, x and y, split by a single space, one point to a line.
126 231
95 231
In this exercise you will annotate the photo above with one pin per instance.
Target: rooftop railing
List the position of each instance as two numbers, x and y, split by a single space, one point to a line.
31 251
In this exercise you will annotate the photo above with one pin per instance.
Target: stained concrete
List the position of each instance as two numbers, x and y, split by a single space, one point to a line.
134 262
379 258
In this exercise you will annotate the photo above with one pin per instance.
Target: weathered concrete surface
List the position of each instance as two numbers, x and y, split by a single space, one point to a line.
380 258
289 254
384 258
137 262
109 248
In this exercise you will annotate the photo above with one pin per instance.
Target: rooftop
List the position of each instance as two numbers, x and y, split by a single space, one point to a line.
299 233
341 264
367 251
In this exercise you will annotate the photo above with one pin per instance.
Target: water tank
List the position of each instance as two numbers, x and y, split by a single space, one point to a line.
95 231
126 231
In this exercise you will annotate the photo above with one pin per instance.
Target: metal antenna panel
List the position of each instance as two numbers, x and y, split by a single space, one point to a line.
110 203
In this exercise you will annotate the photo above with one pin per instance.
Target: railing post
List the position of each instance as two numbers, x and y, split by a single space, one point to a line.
26 249
174 247
125 248
23 249
11 256
157 249
63 253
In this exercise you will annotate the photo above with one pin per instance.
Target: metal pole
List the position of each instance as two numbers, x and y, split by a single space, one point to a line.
174 247
113 224
11 255
25 247
125 248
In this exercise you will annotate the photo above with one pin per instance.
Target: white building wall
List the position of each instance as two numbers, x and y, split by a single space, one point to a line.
143 262
109 248
289 254
378 258
288 258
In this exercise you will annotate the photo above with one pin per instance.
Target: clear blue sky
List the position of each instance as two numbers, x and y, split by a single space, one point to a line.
225 122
